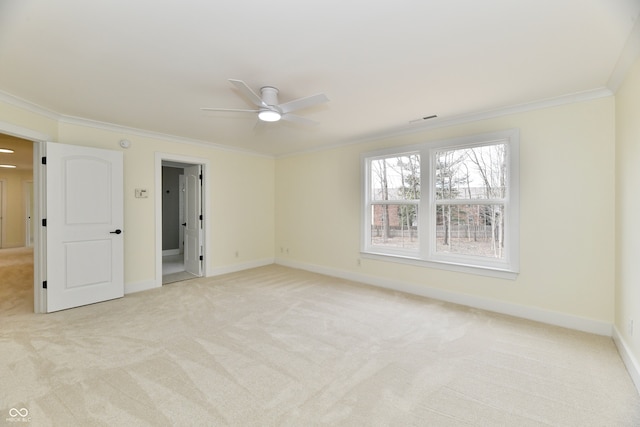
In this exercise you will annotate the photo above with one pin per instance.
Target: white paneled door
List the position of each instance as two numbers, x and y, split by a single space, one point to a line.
193 215
84 226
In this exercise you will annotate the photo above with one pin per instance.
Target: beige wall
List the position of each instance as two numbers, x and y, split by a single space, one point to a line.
305 209
241 194
241 199
628 210
567 214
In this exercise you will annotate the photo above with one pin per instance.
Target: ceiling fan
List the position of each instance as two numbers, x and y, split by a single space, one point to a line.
269 110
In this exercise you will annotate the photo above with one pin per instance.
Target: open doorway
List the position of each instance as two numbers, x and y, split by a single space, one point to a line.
182 221
16 209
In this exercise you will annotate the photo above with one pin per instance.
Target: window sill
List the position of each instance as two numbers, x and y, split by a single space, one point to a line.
449 266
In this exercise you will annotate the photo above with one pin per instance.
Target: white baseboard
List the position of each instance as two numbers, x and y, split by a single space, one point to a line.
240 267
146 285
130 288
497 306
630 361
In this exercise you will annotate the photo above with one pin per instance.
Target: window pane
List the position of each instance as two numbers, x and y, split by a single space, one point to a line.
471 173
476 230
396 178
394 226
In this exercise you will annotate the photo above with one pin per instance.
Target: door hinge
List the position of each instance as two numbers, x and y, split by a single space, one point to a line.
201 257
200 217
44 222
44 160
44 285
200 177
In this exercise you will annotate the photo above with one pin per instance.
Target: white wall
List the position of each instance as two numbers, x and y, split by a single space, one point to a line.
628 218
567 218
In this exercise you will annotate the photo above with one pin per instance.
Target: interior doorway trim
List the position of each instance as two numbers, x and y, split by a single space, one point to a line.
206 208
39 248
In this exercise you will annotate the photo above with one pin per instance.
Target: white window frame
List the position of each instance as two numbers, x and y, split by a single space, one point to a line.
426 255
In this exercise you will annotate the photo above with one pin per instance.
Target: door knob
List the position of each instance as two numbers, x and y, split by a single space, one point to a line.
118 231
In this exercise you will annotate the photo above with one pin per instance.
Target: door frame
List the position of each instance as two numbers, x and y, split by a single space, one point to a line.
206 210
39 248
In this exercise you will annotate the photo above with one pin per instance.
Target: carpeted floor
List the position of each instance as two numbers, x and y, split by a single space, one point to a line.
275 346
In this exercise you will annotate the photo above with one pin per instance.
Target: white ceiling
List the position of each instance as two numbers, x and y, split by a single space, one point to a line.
151 64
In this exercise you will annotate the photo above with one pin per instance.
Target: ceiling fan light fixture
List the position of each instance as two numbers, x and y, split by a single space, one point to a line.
269 116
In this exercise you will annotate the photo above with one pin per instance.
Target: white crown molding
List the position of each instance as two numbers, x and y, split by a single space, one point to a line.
628 57
490 114
465 118
29 106
389 133
234 268
79 121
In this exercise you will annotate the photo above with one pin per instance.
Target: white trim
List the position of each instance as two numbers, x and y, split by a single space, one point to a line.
206 206
461 119
146 285
630 361
218 271
521 311
40 232
425 255
440 265
79 121
28 105
23 133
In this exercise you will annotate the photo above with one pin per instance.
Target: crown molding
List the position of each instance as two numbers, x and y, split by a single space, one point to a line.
29 106
79 121
465 118
389 133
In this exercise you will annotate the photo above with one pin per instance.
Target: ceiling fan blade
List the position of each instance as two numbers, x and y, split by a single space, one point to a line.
299 104
246 91
233 110
297 119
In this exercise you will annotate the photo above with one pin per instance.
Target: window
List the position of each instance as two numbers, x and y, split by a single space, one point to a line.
450 204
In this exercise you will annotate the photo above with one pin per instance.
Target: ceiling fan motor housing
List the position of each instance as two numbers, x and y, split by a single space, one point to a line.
269 95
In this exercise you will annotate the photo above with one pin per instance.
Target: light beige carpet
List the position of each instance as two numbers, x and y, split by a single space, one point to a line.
275 346
16 284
